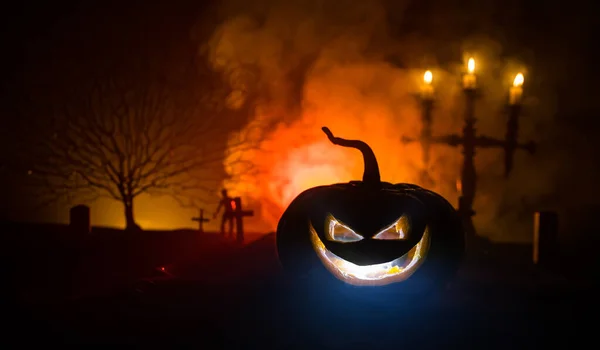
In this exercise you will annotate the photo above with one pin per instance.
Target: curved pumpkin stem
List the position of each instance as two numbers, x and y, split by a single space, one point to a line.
371 174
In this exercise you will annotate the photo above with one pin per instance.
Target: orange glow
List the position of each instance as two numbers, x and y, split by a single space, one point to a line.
150 212
233 205
296 159
519 80
428 77
295 156
471 65
162 268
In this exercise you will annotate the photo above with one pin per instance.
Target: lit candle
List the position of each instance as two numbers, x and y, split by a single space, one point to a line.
516 91
469 79
427 90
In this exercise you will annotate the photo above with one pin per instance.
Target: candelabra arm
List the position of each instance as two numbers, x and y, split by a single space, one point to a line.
489 142
450 140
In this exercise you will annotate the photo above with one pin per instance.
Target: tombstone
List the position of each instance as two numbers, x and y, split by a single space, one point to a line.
239 215
545 237
79 219
201 220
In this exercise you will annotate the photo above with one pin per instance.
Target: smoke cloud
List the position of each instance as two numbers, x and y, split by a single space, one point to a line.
308 64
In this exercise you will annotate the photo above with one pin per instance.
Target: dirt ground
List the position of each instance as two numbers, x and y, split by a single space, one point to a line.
238 298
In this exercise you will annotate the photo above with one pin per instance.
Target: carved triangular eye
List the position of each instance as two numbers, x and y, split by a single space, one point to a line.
338 232
397 231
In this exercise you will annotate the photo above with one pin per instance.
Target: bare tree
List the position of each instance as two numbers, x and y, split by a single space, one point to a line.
128 133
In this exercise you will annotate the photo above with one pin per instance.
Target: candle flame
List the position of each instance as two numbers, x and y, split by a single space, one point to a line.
519 80
471 65
428 77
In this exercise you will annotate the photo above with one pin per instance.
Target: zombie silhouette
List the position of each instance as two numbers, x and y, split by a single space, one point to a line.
227 204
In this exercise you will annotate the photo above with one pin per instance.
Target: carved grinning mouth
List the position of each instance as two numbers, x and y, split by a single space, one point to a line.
396 270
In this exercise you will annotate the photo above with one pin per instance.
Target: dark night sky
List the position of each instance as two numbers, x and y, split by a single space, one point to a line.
560 36
555 38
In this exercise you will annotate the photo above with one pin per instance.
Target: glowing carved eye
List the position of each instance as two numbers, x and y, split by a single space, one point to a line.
336 231
396 231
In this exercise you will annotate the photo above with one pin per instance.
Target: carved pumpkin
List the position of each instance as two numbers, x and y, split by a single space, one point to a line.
369 232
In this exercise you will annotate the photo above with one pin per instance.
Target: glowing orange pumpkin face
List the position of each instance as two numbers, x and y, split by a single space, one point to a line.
367 233
378 260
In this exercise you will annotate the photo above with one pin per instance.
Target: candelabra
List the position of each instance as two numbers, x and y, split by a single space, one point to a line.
469 140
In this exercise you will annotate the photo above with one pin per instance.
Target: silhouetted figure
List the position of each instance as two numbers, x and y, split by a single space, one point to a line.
228 205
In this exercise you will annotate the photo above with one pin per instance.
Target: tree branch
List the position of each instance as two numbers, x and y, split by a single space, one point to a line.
121 135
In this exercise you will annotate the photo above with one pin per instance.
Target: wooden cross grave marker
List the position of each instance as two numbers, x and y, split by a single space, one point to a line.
201 219
239 215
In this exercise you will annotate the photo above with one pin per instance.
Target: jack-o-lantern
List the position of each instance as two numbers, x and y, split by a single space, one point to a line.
369 232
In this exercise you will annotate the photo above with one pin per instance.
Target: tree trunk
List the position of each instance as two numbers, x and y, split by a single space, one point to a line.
130 224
